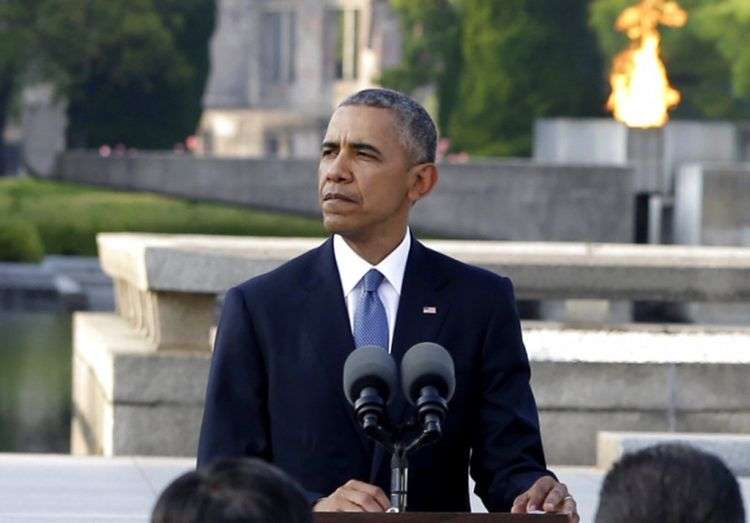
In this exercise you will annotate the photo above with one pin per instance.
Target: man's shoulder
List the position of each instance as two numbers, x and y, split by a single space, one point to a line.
466 275
288 275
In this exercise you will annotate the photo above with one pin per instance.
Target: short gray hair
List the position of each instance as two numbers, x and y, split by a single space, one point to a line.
416 130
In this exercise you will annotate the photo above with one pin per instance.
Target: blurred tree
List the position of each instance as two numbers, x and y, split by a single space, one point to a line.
191 22
431 52
523 59
132 71
16 36
707 60
726 23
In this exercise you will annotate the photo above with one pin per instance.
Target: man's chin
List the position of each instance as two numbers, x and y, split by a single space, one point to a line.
342 227
335 225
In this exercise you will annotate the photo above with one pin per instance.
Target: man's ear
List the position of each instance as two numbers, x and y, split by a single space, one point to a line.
422 179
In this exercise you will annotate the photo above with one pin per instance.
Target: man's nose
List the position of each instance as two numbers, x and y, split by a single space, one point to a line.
338 169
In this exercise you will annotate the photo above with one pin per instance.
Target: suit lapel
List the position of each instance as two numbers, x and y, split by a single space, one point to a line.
422 310
327 326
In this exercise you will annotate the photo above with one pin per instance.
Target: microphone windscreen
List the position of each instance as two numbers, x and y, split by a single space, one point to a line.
427 364
369 366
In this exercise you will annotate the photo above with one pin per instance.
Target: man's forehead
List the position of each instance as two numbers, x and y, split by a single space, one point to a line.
355 123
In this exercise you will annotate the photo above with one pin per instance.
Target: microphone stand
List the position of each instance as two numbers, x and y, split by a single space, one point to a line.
400 447
400 469
370 410
399 478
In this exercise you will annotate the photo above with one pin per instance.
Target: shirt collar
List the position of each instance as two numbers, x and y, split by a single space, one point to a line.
352 267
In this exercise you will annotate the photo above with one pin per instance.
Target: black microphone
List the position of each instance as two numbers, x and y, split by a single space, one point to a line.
428 378
369 384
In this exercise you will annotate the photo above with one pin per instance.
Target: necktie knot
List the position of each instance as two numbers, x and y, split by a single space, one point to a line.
373 279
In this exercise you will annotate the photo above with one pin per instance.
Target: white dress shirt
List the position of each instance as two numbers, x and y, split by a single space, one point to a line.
352 269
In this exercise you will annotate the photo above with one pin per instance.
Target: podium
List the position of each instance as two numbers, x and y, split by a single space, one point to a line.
435 517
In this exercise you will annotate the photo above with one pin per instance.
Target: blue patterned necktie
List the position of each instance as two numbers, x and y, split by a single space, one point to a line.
370 321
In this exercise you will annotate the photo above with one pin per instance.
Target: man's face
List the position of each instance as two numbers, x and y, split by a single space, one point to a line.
363 182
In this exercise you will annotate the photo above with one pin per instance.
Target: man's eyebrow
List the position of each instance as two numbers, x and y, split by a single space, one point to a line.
361 146
358 146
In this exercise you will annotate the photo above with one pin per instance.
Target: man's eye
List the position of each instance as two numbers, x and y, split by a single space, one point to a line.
365 155
326 152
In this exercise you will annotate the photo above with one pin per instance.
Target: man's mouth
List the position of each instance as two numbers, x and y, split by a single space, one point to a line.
338 196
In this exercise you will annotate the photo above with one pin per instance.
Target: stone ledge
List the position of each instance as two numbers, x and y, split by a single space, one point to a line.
733 449
636 343
166 285
208 264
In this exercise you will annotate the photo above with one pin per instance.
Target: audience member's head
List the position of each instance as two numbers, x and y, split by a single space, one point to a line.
237 490
670 483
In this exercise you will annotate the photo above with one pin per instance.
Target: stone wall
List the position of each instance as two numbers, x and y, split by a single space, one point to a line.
712 204
652 378
503 200
654 154
712 207
139 375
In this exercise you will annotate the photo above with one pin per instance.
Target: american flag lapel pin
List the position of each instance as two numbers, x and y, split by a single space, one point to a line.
429 310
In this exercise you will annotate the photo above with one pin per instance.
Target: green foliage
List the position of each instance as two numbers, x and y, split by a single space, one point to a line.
16 38
431 52
497 66
19 241
707 60
727 22
13 18
132 71
68 217
523 59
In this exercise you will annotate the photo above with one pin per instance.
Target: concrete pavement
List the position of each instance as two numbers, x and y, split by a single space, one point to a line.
71 489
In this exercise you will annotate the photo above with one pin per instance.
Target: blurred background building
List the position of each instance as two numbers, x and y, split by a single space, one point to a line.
278 68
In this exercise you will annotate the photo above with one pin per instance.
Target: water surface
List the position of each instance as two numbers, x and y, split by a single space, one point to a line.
35 381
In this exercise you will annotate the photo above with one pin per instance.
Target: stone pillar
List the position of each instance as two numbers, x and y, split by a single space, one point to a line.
129 399
139 375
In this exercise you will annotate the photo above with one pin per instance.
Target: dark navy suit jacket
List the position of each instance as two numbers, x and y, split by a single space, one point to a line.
275 385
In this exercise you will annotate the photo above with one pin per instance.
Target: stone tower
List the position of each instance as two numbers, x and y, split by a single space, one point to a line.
279 67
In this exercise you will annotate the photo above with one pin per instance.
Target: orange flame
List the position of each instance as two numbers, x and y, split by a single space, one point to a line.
641 94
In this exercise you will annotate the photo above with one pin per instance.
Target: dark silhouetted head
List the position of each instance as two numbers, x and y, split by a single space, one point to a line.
236 490
670 483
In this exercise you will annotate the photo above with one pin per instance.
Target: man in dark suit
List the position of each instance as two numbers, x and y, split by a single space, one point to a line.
275 386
